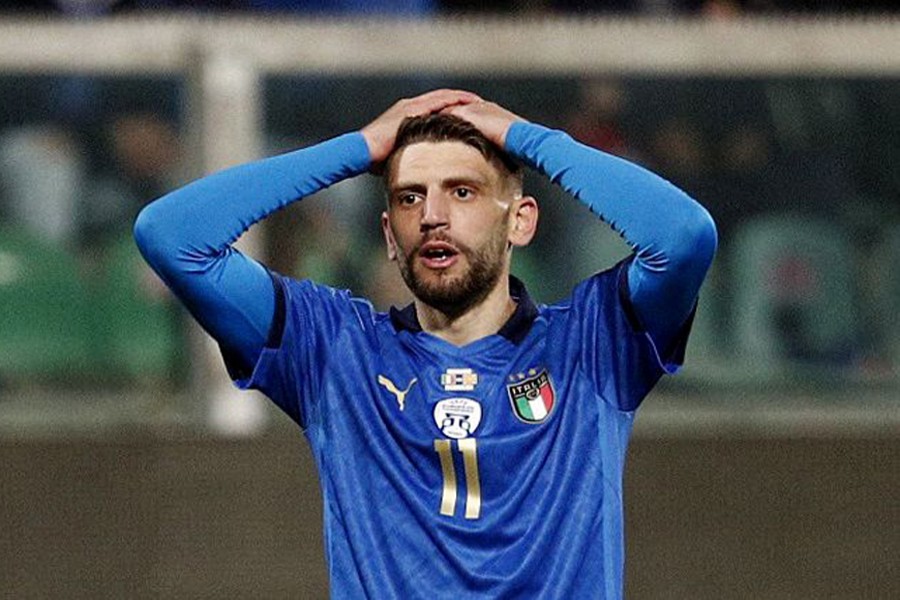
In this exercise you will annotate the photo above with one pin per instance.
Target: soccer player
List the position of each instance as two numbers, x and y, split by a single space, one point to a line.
470 445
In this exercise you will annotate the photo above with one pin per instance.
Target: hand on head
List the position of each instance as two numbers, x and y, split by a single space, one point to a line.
492 119
381 133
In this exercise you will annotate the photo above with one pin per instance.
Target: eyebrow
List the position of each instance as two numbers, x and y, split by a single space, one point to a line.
449 182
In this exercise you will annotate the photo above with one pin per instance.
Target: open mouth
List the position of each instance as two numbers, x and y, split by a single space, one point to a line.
438 255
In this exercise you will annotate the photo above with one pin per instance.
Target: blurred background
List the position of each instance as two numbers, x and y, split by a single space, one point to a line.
767 469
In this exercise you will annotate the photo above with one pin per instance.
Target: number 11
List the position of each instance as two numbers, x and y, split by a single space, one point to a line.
469 450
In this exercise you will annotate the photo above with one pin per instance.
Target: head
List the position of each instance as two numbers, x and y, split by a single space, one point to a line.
455 211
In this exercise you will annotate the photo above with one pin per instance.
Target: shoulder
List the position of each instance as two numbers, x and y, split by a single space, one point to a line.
602 288
306 300
598 308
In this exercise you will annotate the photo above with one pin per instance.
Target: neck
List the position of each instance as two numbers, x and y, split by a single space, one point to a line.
482 320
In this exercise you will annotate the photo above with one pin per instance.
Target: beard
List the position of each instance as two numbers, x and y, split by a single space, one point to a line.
455 294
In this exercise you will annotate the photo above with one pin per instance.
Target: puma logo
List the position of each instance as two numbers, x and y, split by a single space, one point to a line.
389 386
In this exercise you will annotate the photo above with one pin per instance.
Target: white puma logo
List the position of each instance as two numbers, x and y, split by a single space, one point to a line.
389 386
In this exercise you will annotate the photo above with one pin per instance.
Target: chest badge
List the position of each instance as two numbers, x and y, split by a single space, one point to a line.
457 418
400 394
532 398
459 380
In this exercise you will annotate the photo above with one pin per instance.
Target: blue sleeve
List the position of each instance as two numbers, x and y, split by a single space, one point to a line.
299 349
621 361
674 238
186 238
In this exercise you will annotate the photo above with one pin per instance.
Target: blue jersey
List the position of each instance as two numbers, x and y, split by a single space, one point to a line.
490 470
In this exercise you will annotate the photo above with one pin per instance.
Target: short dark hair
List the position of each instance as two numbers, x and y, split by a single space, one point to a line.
437 127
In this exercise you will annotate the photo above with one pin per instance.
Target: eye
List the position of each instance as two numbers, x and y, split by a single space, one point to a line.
463 193
407 199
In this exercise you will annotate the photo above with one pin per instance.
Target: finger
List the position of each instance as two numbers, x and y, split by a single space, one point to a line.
449 95
462 107
451 110
439 99
462 111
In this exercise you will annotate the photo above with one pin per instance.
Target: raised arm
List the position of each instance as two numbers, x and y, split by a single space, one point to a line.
674 238
187 235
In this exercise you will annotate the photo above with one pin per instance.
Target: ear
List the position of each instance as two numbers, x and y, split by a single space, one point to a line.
388 236
523 221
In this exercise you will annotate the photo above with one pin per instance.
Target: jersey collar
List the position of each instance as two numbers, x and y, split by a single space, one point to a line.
515 329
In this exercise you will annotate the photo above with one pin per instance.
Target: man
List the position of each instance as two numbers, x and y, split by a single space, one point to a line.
471 444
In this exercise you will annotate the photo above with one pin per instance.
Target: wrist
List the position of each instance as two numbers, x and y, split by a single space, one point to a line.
380 140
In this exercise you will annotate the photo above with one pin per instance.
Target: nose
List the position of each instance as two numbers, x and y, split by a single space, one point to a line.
435 211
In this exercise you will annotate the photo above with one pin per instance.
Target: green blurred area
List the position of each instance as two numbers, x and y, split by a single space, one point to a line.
797 171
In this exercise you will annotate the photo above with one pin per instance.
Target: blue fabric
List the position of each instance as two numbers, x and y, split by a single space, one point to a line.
673 236
186 236
549 523
390 434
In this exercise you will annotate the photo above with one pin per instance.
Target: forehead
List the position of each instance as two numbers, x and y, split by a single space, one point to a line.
423 161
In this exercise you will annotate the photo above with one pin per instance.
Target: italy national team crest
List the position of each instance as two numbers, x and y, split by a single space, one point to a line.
532 398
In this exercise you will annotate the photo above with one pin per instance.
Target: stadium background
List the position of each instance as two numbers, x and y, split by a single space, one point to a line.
767 469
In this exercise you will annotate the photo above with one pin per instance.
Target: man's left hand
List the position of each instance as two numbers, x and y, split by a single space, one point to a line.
490 118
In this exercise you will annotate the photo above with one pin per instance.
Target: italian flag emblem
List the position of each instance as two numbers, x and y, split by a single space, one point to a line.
533 398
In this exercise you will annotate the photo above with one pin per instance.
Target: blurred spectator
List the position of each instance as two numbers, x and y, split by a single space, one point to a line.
597 119
493 6
722 9
69 7
678 152
329 238
744 183
360 7
610 6
41 176
316 247
145 153
713 8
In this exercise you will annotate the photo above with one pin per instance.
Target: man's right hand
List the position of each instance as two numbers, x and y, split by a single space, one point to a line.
381 133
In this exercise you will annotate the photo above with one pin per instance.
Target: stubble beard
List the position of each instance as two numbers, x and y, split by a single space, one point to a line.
455 294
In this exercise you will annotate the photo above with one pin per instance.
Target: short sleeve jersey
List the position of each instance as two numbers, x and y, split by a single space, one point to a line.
489 470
